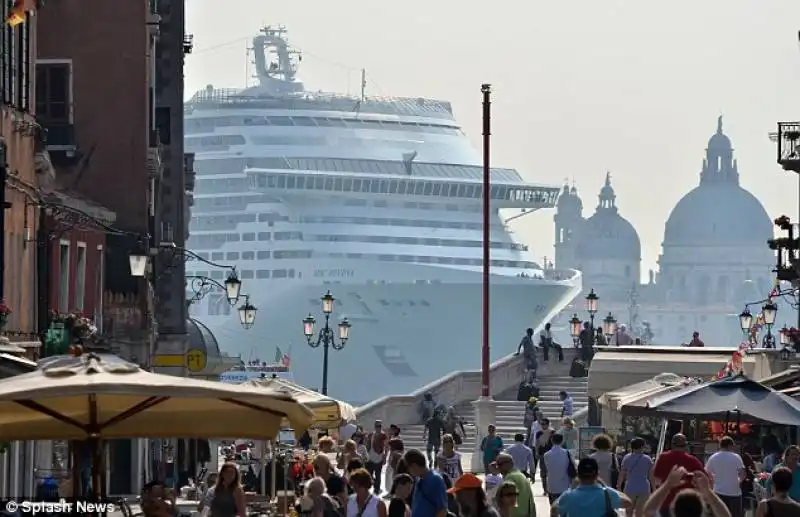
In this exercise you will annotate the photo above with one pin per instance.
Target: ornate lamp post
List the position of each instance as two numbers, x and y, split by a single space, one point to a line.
745 321
575 327
769 311
202 285
591 307
609 327
247 313
326 336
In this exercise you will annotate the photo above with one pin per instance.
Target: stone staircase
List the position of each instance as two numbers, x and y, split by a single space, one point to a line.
510 413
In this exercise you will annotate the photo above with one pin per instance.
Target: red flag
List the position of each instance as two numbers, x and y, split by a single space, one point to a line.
286 360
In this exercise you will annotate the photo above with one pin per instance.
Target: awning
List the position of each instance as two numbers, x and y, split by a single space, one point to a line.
328 412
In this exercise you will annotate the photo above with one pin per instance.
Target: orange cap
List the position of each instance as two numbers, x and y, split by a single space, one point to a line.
466 481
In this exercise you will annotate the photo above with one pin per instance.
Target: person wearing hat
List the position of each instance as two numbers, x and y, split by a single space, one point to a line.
590 498
471 498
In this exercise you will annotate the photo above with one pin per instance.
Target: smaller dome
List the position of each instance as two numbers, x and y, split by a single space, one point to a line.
719 141
606 234
609 236
201 338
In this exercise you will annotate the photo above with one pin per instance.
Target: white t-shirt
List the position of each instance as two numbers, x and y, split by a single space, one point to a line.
724 467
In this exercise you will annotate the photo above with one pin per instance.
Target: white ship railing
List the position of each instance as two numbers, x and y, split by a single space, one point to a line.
232 97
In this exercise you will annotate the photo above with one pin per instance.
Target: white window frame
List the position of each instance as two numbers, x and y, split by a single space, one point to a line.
63 276
80 277
71 82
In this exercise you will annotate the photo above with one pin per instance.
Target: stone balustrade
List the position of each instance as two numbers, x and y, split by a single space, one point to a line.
455 388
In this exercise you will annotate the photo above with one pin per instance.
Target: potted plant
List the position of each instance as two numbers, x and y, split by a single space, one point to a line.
5 311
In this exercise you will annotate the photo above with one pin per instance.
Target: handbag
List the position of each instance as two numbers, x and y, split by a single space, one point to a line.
610 511
572 472
614 470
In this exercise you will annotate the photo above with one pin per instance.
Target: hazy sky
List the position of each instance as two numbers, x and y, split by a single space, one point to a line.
580 87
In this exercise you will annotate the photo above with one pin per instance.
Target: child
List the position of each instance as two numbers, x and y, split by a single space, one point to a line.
493 481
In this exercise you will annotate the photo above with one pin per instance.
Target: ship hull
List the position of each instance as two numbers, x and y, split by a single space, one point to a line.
405 334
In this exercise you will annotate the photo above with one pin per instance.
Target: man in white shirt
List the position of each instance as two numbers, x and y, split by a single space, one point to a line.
727 469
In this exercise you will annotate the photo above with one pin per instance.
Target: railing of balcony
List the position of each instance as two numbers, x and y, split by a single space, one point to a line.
789 145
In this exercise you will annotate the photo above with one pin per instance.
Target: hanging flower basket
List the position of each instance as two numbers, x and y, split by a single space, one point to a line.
5 312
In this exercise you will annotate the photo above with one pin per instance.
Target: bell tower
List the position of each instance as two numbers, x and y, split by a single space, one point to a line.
568 222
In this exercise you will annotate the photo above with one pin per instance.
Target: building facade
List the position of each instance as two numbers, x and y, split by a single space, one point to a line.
714 256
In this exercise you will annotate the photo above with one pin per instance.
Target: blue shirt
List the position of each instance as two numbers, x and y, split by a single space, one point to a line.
557 462
568 405
636 466
587 501
430 496
522 456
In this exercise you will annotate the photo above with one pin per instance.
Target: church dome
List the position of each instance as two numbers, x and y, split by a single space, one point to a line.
718 211
606 234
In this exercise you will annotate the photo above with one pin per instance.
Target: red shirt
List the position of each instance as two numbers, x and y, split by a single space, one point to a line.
664 464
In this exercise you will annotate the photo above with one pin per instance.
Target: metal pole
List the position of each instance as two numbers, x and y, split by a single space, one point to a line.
486 89
326 335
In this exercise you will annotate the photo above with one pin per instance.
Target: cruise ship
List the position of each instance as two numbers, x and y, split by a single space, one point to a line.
377 200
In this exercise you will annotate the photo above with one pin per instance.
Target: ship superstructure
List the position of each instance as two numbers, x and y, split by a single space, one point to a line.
376 199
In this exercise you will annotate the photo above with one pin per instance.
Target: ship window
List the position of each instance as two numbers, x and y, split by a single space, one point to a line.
428 188
375 186
469 191
328 183
352 122
501 192
356 185
309 183
477 191
393 187
437 189
233 255
304 121
247 273
280 121
418 188
290 182
279 273
387 258
319 183
264 236
410 126
262 273
217 256
262 180
355 202
263 255
216 275
248 255
323 122
281 181
336 122
347 185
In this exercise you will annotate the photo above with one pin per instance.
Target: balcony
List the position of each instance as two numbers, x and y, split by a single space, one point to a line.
789 146
58 139
188 43
154 164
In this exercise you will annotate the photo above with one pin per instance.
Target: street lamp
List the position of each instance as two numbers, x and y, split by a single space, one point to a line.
575 327
745 320
591 306
609 326
784 336
769 310
326 337
247 313
202 285
138 262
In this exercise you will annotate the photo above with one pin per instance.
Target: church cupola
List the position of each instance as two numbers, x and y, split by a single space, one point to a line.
719 166
607 197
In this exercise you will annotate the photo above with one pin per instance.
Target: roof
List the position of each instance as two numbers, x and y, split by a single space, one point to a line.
615 367
201 338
